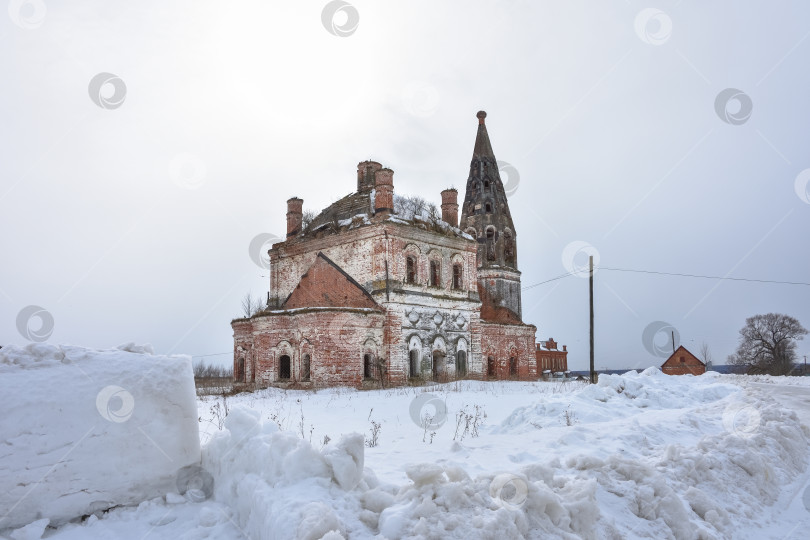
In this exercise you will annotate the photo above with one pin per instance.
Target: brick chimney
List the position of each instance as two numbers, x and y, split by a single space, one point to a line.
295 216
384 186
450 206
365 175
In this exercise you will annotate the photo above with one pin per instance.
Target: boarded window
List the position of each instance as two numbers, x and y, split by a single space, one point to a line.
461 364
284 367
305 368
414 363
435 279
410 271
457 276
239 376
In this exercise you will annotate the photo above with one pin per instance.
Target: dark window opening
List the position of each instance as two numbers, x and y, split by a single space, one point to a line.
490 244
486 185
488 208
513 370
461 364
239 376
368 367
414 363
683 360
490 367
435 280
284 367
410 271
305 368
457 276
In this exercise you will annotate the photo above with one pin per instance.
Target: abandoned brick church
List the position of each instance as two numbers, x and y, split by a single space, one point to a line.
378 289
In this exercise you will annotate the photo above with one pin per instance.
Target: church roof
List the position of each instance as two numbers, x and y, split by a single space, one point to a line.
325 284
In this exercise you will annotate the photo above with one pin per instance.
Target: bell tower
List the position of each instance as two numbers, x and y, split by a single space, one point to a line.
485 216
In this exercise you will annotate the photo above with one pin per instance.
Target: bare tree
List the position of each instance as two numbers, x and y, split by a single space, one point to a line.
705 353
768 343
250 305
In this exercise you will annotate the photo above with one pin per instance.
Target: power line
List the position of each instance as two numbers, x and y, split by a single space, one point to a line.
706 277
750 280
214 354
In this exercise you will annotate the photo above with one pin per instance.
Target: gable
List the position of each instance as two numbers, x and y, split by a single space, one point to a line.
325 284
689 359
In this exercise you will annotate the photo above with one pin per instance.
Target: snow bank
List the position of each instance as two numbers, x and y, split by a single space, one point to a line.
278 484
83 430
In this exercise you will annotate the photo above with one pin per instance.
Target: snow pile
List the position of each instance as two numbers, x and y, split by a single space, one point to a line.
279 485
84 430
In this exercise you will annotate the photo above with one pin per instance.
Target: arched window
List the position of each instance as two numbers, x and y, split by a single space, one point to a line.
490 366
368 367
305 368
461 364
491 244
284 367
435 274
488 208
457 276
410 269
486 185
413 364
513 371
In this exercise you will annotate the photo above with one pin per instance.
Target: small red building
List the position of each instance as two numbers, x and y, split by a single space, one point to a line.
682 362
549 358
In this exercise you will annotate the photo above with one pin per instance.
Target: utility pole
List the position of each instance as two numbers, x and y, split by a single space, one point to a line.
590 280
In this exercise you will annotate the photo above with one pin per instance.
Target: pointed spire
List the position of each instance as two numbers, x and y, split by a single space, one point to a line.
483 148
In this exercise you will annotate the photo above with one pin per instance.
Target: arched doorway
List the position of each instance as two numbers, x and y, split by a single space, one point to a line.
414 357
490 366
513 368
438 364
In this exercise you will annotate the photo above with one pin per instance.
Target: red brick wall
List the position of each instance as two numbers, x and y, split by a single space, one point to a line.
502 342
335 339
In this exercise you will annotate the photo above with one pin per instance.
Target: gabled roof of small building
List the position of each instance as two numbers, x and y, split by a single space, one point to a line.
325 284
677 353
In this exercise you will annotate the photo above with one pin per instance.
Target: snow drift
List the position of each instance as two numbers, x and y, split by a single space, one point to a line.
84 430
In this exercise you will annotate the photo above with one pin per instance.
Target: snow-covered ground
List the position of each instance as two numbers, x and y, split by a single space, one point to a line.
636 456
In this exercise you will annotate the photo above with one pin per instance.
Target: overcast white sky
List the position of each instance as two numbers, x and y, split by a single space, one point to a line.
133 222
